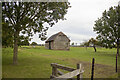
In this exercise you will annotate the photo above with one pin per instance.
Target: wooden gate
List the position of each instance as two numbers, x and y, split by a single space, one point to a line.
58 75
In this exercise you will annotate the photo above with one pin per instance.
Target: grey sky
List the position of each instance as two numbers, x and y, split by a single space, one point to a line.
80 20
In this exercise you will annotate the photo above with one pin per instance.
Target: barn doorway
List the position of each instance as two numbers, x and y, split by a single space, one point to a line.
49 45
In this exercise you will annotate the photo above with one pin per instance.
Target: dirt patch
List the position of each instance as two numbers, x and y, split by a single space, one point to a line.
100 70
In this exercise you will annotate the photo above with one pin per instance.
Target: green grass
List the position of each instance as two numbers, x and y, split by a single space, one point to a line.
35 62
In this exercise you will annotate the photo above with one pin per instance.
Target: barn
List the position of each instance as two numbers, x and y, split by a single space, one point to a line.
58 41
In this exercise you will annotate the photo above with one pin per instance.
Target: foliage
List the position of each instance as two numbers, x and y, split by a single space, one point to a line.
73 44
108 28
23 41
33 43
7 34
86 43
90 42
93 43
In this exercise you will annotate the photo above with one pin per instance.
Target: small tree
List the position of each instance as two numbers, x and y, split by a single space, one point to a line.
86 44
33 43
76 44
93 43
73 44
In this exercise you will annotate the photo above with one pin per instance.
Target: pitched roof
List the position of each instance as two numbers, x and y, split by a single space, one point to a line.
52 38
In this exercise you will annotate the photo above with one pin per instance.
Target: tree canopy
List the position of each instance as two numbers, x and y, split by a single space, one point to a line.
93 42
108 28
72 43
19 18
23 41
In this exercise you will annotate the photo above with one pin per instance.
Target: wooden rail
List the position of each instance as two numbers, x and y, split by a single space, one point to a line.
62 67
73 72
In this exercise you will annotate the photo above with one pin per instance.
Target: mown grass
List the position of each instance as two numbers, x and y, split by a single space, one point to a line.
35 62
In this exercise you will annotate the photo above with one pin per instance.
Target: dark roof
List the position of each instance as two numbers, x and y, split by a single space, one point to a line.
52 38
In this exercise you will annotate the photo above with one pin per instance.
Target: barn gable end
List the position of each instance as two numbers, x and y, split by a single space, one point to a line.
58 41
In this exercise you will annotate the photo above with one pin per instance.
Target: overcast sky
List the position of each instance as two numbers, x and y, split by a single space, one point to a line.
80 20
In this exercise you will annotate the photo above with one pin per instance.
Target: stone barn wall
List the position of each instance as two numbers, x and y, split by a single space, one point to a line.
61 42
47 45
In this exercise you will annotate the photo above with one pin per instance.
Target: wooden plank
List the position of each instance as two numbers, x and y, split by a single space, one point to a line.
68 75
62 67
71 74
78 67
52 76
59 72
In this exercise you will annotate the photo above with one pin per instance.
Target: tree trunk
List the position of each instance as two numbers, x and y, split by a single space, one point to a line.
118 47
15 48
94 48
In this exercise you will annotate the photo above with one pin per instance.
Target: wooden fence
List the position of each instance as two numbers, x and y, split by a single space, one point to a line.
58 75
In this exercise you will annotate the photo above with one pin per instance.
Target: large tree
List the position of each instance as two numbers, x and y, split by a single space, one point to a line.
108 28
29 18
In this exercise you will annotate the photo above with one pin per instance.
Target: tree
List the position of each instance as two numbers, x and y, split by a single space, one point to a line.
86 44
33 43
76 44
30 17
93 43
72 44
108 28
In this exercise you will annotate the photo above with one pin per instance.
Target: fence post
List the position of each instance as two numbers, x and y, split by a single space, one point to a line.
79 76
54 71
116 61
92 74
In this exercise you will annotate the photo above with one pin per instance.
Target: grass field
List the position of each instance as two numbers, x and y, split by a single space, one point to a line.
35 62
